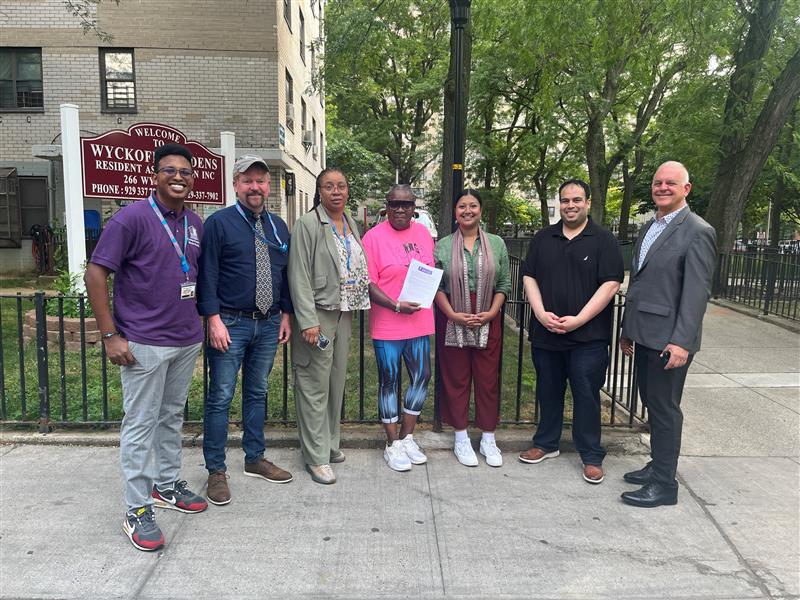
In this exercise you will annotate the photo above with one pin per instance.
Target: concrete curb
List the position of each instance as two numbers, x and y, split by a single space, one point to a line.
617 440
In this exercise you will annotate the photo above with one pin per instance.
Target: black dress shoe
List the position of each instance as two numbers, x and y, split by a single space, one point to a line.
651 495
640 477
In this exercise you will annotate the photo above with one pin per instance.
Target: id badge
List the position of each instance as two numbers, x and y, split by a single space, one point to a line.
188 290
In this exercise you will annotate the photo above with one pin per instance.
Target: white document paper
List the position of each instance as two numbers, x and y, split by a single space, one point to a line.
421 284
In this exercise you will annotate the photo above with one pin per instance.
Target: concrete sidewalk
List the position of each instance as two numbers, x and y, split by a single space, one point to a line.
443 530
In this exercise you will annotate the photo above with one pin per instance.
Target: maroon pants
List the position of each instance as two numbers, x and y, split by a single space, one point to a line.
461 368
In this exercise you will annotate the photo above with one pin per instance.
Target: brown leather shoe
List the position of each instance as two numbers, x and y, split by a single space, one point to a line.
217 491
536 455
267 470
593 473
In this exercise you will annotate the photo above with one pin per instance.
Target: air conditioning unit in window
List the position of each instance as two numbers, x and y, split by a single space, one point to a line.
308 138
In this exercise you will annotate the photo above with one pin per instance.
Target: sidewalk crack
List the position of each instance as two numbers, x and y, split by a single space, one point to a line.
161 554
435 530
755 578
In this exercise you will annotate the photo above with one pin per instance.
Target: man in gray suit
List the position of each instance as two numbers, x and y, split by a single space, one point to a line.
673 262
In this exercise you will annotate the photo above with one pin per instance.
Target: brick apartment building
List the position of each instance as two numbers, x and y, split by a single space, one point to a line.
201 67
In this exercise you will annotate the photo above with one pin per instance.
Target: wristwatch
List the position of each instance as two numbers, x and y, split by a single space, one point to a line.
397 307
105 336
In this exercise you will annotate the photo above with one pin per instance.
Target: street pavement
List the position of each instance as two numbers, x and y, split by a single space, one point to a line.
443 530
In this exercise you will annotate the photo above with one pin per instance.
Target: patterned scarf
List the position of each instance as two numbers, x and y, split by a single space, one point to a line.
460 335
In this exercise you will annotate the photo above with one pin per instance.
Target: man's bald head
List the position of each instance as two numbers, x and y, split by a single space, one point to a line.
673 166
670 187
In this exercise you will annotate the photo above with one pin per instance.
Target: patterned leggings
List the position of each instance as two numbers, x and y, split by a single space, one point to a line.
416 352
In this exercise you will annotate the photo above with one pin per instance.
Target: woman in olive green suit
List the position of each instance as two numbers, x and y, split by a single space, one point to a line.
328 280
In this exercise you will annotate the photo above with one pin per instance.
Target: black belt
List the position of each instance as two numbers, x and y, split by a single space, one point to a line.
250 314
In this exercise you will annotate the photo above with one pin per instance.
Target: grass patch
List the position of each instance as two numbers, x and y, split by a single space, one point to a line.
19 391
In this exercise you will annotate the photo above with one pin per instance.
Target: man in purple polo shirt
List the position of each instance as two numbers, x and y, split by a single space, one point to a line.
152 247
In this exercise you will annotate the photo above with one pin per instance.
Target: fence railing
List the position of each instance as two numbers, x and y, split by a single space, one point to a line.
762 279
54 372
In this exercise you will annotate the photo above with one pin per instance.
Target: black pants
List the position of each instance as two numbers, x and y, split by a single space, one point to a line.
585 368
661 392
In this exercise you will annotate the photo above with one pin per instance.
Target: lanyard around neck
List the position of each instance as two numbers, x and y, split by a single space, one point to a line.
281 246
181 255
344 239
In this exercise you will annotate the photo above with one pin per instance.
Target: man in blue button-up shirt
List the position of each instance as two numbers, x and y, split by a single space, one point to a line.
243 291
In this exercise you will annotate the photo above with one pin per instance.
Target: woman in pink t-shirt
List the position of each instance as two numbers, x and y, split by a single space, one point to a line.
399 329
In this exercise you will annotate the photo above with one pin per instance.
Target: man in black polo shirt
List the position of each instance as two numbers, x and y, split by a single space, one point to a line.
243 291
571 273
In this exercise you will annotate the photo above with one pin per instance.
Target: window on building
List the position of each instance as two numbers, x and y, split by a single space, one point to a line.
33 203
313 52
302 34
314 149
289 102
21 79
117 80
314 7
287 13
321 150
551 211
303 115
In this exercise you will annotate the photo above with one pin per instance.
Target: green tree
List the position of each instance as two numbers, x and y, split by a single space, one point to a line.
367 172
628 57
383 68
764 89
518 136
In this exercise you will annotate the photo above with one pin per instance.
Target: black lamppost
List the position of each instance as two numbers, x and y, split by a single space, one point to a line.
459 18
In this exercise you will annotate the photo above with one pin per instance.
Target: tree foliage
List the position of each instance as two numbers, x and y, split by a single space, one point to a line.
86 11
763 90
384 66
600 89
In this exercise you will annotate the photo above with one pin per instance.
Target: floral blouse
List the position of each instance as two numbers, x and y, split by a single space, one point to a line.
354 278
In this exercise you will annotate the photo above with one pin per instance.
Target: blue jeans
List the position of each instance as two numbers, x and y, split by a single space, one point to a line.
253 346
585 368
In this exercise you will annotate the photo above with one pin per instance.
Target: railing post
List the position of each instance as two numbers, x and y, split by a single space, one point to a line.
717 277
437 384
41 363
771 267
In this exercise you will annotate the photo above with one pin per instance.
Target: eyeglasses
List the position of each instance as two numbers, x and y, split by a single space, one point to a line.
329 187
172 171
400 205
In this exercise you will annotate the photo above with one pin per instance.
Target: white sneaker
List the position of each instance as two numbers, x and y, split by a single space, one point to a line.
465 454
494 458
413 452
396 457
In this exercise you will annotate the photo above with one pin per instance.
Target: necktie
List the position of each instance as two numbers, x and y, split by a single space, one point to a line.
263 271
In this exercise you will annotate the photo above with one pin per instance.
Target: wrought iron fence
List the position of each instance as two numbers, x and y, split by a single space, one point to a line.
54 371
763 279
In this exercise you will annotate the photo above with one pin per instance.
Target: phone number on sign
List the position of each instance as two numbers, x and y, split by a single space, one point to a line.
136 191
198 195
